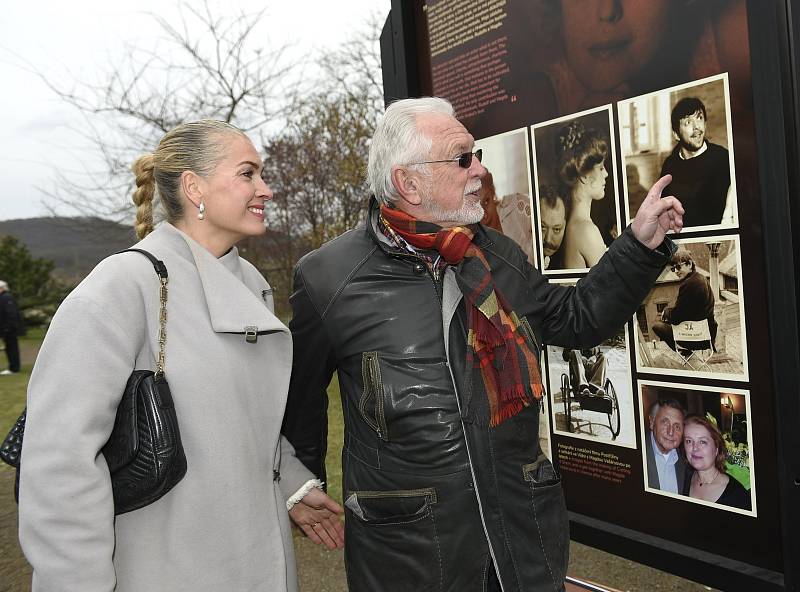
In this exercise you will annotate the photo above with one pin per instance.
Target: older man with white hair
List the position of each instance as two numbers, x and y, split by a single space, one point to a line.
435 323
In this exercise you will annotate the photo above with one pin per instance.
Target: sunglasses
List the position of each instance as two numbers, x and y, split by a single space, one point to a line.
464 159
676 266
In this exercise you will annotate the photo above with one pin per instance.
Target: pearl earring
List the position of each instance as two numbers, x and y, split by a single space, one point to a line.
201 214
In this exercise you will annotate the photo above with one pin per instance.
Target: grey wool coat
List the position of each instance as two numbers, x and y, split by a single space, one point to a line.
225 525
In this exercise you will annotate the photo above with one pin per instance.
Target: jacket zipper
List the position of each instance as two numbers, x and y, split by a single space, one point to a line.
472 468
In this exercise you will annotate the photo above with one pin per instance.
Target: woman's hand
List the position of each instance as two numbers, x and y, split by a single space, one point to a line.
657 215
317 515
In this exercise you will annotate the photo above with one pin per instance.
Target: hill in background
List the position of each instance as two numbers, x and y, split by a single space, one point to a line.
75 245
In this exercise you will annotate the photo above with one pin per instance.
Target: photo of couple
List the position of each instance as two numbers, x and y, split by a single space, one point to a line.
697 444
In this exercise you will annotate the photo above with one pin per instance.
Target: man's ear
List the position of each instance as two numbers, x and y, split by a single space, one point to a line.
192 187
408 185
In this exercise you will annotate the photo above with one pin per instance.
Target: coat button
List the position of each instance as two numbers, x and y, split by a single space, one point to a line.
419 269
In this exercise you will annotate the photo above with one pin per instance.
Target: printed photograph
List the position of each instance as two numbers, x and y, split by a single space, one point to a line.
684 131
506 189
697 444
576 190
692 321
591 391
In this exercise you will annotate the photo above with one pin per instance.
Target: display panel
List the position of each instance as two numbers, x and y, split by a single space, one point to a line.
544 65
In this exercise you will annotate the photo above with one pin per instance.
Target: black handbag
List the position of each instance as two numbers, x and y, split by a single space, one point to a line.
144 453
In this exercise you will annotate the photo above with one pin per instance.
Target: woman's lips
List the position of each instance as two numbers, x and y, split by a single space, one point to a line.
609 49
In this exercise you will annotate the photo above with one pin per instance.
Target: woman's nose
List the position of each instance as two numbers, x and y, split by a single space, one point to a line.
264 189
609 10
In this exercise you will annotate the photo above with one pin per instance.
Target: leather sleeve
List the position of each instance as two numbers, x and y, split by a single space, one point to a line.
582 316
305 423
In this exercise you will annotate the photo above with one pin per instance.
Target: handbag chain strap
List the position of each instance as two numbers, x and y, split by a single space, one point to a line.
163 278
162 325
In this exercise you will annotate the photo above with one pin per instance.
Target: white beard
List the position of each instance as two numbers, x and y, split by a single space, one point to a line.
470 212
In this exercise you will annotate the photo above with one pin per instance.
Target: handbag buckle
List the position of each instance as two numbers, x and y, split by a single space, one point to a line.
251 334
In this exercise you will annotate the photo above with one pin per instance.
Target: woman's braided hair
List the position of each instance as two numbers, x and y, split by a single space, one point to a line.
192 146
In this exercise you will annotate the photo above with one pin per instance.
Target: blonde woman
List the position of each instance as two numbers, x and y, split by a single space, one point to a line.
225 526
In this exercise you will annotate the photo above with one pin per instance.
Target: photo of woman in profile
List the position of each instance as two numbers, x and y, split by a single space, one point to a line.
705 453
581 155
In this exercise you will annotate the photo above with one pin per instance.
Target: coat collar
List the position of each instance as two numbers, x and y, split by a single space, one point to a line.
235 301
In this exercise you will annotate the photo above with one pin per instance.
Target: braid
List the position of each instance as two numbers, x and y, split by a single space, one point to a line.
143 194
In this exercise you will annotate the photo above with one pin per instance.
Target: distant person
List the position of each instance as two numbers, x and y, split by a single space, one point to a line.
695 300
10 328
666 466
225 525
701 170
553 224
705 452
587 370
581 155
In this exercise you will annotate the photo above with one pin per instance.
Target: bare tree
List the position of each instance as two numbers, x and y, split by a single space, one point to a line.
317 163
206 66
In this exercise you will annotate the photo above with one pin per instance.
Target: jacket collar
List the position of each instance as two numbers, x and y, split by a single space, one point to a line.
235 302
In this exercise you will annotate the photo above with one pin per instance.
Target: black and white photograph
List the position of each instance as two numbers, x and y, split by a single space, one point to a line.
697 444
692 321
506 188
576 190
684 131
591 391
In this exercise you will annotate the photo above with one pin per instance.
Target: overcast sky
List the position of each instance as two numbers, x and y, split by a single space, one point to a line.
62 39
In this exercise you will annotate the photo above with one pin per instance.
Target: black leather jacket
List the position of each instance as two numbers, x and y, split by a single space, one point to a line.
430 501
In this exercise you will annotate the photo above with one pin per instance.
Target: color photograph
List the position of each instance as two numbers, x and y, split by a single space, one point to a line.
692 321
698 445
506 189
576 189
684 131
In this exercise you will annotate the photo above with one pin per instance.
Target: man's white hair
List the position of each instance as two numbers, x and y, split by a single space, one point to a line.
397 141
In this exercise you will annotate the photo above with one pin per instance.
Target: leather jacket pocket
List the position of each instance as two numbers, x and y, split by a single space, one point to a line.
392 541
530 335
370 405
550 516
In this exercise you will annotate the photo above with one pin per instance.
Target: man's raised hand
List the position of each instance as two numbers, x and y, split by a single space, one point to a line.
657 215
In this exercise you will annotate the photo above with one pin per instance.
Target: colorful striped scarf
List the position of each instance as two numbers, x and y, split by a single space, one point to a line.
497 350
